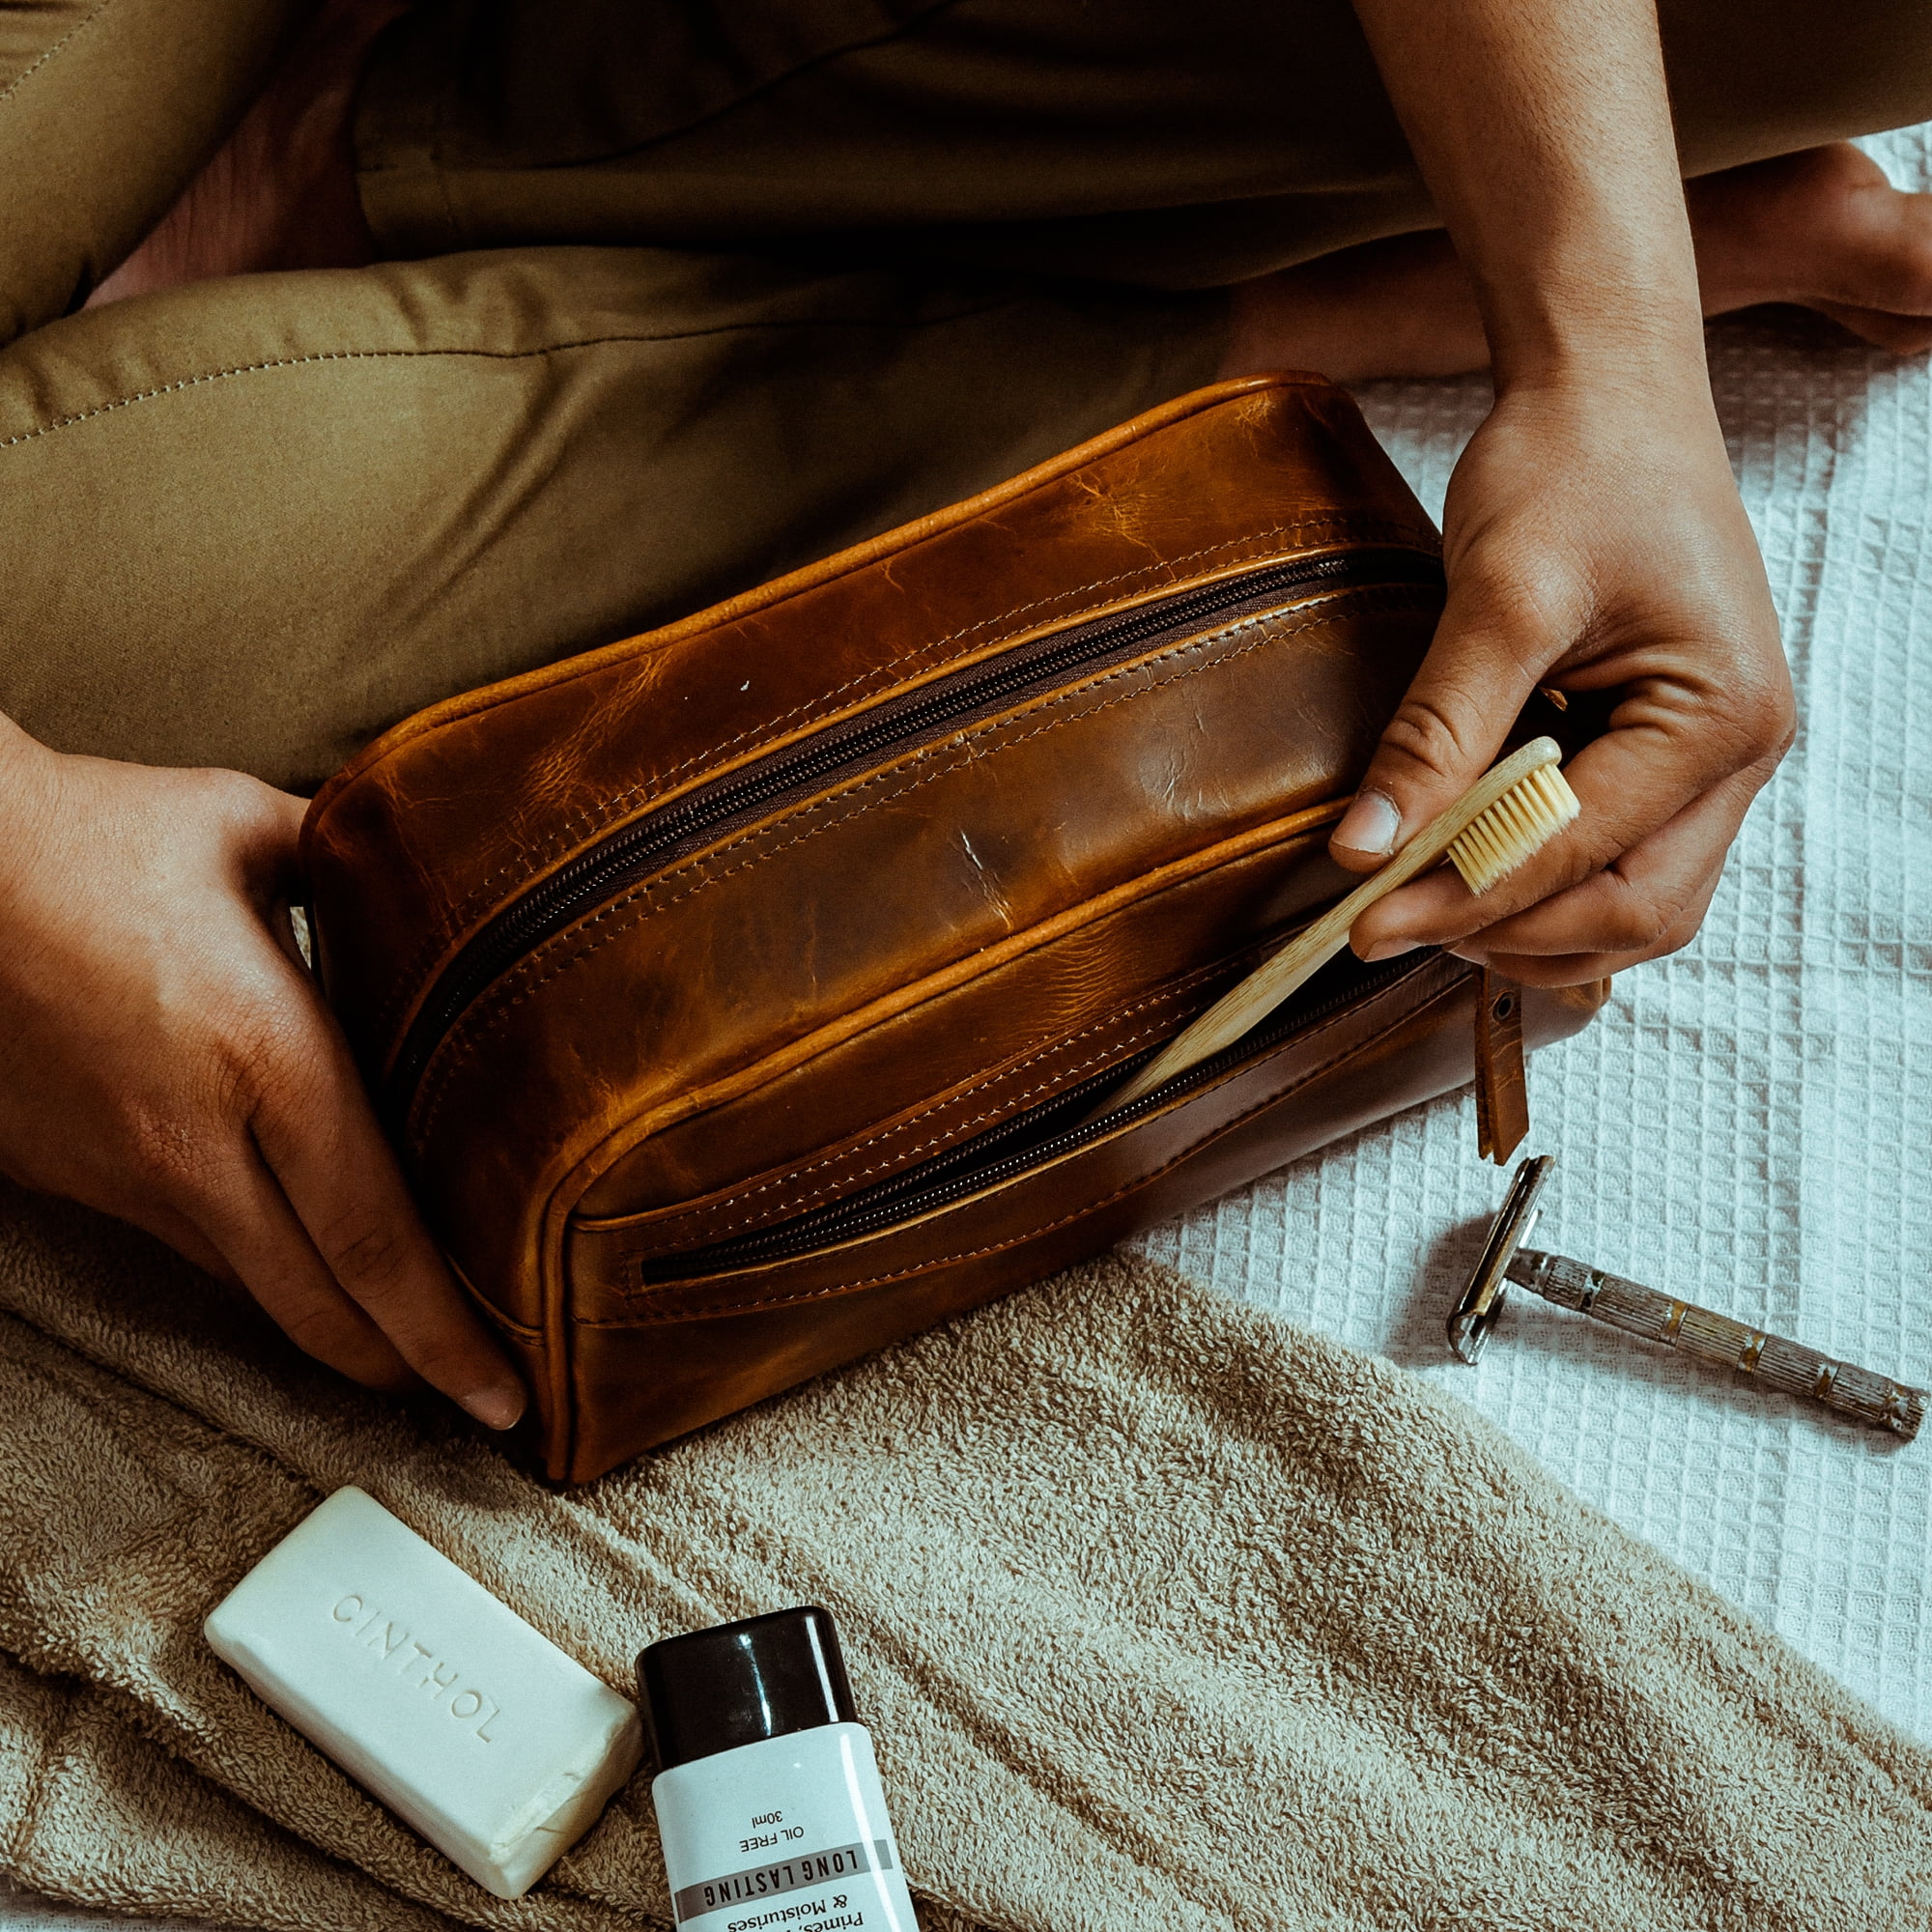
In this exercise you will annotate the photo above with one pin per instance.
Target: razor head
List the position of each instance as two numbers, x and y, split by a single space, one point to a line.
1482 1300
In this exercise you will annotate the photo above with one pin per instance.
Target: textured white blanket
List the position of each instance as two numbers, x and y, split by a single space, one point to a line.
1748 1124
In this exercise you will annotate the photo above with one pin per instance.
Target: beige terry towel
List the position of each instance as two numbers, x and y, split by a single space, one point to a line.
1165 1615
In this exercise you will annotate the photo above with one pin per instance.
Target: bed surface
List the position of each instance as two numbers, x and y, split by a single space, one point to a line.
1749 1123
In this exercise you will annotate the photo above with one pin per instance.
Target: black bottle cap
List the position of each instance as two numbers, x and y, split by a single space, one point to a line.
764 1677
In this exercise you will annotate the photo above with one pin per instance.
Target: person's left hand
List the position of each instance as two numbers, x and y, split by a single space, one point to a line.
165 1059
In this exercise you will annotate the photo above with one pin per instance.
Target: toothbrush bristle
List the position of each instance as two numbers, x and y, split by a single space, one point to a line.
1514 829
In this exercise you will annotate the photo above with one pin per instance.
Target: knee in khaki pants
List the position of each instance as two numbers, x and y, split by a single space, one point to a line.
255 521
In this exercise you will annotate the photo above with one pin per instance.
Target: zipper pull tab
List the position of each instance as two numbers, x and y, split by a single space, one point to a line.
1502 1086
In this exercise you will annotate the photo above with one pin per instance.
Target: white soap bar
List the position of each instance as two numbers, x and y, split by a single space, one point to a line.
475 1728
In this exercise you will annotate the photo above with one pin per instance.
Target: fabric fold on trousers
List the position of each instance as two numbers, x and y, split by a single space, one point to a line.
1138 143
103 122
1164 1613
253 523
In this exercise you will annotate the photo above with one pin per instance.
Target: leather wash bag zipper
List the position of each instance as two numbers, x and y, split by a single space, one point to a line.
740 996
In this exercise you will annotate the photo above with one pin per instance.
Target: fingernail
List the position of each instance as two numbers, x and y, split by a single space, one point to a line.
1371 825
1390 948
495 1407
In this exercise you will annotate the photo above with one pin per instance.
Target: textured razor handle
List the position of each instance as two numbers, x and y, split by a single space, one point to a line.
1876 1401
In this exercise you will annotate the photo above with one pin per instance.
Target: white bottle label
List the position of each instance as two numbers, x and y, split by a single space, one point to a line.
788 1835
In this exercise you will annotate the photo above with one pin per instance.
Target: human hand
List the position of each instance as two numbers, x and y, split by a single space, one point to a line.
165 1059
1594 542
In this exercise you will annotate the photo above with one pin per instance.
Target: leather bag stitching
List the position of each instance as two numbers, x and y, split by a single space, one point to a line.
924 1116
1228 1127
594 818
463 1042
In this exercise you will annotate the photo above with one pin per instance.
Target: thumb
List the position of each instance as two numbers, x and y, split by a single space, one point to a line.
1443 737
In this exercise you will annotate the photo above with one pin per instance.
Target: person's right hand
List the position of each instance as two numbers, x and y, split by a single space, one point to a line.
1594 542
163 1057
1593 536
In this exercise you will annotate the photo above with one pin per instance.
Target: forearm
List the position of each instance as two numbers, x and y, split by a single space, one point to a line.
1592 534
1543 128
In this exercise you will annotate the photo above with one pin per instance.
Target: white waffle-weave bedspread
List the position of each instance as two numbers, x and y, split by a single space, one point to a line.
1749 1122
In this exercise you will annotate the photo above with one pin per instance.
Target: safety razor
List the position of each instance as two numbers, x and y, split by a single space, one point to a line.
1874 1400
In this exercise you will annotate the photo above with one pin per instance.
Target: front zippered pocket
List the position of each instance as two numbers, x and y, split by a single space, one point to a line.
1029 1140
928 714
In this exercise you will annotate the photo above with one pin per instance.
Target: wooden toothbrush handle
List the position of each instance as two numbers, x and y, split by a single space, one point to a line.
1304 955
1254 998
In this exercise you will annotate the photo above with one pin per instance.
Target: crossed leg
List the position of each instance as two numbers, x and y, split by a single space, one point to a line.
1821 228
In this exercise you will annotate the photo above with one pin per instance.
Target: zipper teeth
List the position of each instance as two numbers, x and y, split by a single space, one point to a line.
647 842
853 1219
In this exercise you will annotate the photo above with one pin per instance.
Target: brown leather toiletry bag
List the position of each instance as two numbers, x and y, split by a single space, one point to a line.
736 994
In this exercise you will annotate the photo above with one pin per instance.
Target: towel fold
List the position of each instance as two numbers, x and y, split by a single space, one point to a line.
1163 1613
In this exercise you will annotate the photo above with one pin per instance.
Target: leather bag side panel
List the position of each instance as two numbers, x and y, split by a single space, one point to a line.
417 843
686 1356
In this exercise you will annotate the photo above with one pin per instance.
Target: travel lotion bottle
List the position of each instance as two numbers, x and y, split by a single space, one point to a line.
768 1795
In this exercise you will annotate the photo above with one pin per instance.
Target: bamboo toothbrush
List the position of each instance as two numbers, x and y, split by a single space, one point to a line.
1505 817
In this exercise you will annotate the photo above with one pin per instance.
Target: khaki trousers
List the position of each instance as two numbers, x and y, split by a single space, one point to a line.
676 296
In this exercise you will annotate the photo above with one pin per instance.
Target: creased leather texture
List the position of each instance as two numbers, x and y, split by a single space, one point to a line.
735 992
